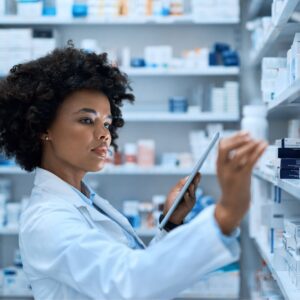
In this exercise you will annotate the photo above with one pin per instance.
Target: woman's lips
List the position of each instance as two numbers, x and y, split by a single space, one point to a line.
101 151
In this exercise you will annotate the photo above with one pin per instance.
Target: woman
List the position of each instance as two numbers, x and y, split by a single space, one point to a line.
59 115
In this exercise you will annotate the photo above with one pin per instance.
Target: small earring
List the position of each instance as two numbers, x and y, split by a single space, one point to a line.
47 138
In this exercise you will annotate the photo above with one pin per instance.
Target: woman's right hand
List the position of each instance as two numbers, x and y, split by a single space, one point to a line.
236 159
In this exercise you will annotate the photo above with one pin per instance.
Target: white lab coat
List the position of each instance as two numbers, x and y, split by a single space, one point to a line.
71 251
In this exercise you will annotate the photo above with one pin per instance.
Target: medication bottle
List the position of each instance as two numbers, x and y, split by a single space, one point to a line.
178 104
255 122
49 7
146 153
130 154
80 8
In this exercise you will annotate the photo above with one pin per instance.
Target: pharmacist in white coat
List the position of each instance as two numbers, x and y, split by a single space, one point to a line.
74 244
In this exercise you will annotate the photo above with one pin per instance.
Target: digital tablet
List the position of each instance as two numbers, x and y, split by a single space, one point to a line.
189 181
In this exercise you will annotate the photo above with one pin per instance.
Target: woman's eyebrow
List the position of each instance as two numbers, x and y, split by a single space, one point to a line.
85 109
90 110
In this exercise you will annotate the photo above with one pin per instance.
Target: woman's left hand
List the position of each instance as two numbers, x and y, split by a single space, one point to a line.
187 203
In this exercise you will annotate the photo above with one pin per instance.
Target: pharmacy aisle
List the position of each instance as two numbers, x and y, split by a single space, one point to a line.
194 66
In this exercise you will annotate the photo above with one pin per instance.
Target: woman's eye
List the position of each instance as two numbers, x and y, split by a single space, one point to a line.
86 121
107 125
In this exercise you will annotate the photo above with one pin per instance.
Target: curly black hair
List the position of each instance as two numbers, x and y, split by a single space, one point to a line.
32 92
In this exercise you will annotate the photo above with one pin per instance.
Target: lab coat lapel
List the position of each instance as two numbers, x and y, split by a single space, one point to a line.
117 216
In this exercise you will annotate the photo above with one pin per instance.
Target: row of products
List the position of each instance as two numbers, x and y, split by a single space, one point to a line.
142 154
279 73
20 45
146 214
260 28
283 158
161 56
13 280
212 9
222 100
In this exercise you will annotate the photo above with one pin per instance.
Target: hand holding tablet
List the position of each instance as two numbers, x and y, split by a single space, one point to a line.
189 180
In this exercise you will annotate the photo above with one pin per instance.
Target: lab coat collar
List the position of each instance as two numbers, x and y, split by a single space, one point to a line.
53 184
49 182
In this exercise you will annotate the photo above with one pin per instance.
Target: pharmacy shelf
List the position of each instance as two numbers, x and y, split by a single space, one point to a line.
281 26
210 71
121 170
291 186
150 20
288 290
155 116
286 99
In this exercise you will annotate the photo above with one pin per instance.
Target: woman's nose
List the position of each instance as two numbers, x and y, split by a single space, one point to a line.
102 133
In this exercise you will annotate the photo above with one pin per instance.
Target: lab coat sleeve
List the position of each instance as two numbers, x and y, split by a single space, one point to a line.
61 246
228 240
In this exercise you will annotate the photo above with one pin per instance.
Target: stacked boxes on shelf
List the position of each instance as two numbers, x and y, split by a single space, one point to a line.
279 73
283 158
21 45
273 82
225 100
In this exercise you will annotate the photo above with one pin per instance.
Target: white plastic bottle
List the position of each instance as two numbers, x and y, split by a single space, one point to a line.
255 121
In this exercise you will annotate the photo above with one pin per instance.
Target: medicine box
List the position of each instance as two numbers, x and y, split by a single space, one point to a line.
292 226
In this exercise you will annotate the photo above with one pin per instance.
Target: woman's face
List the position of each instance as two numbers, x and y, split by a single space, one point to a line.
79 137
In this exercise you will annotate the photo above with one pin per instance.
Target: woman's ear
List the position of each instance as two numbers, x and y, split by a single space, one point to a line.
45 136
